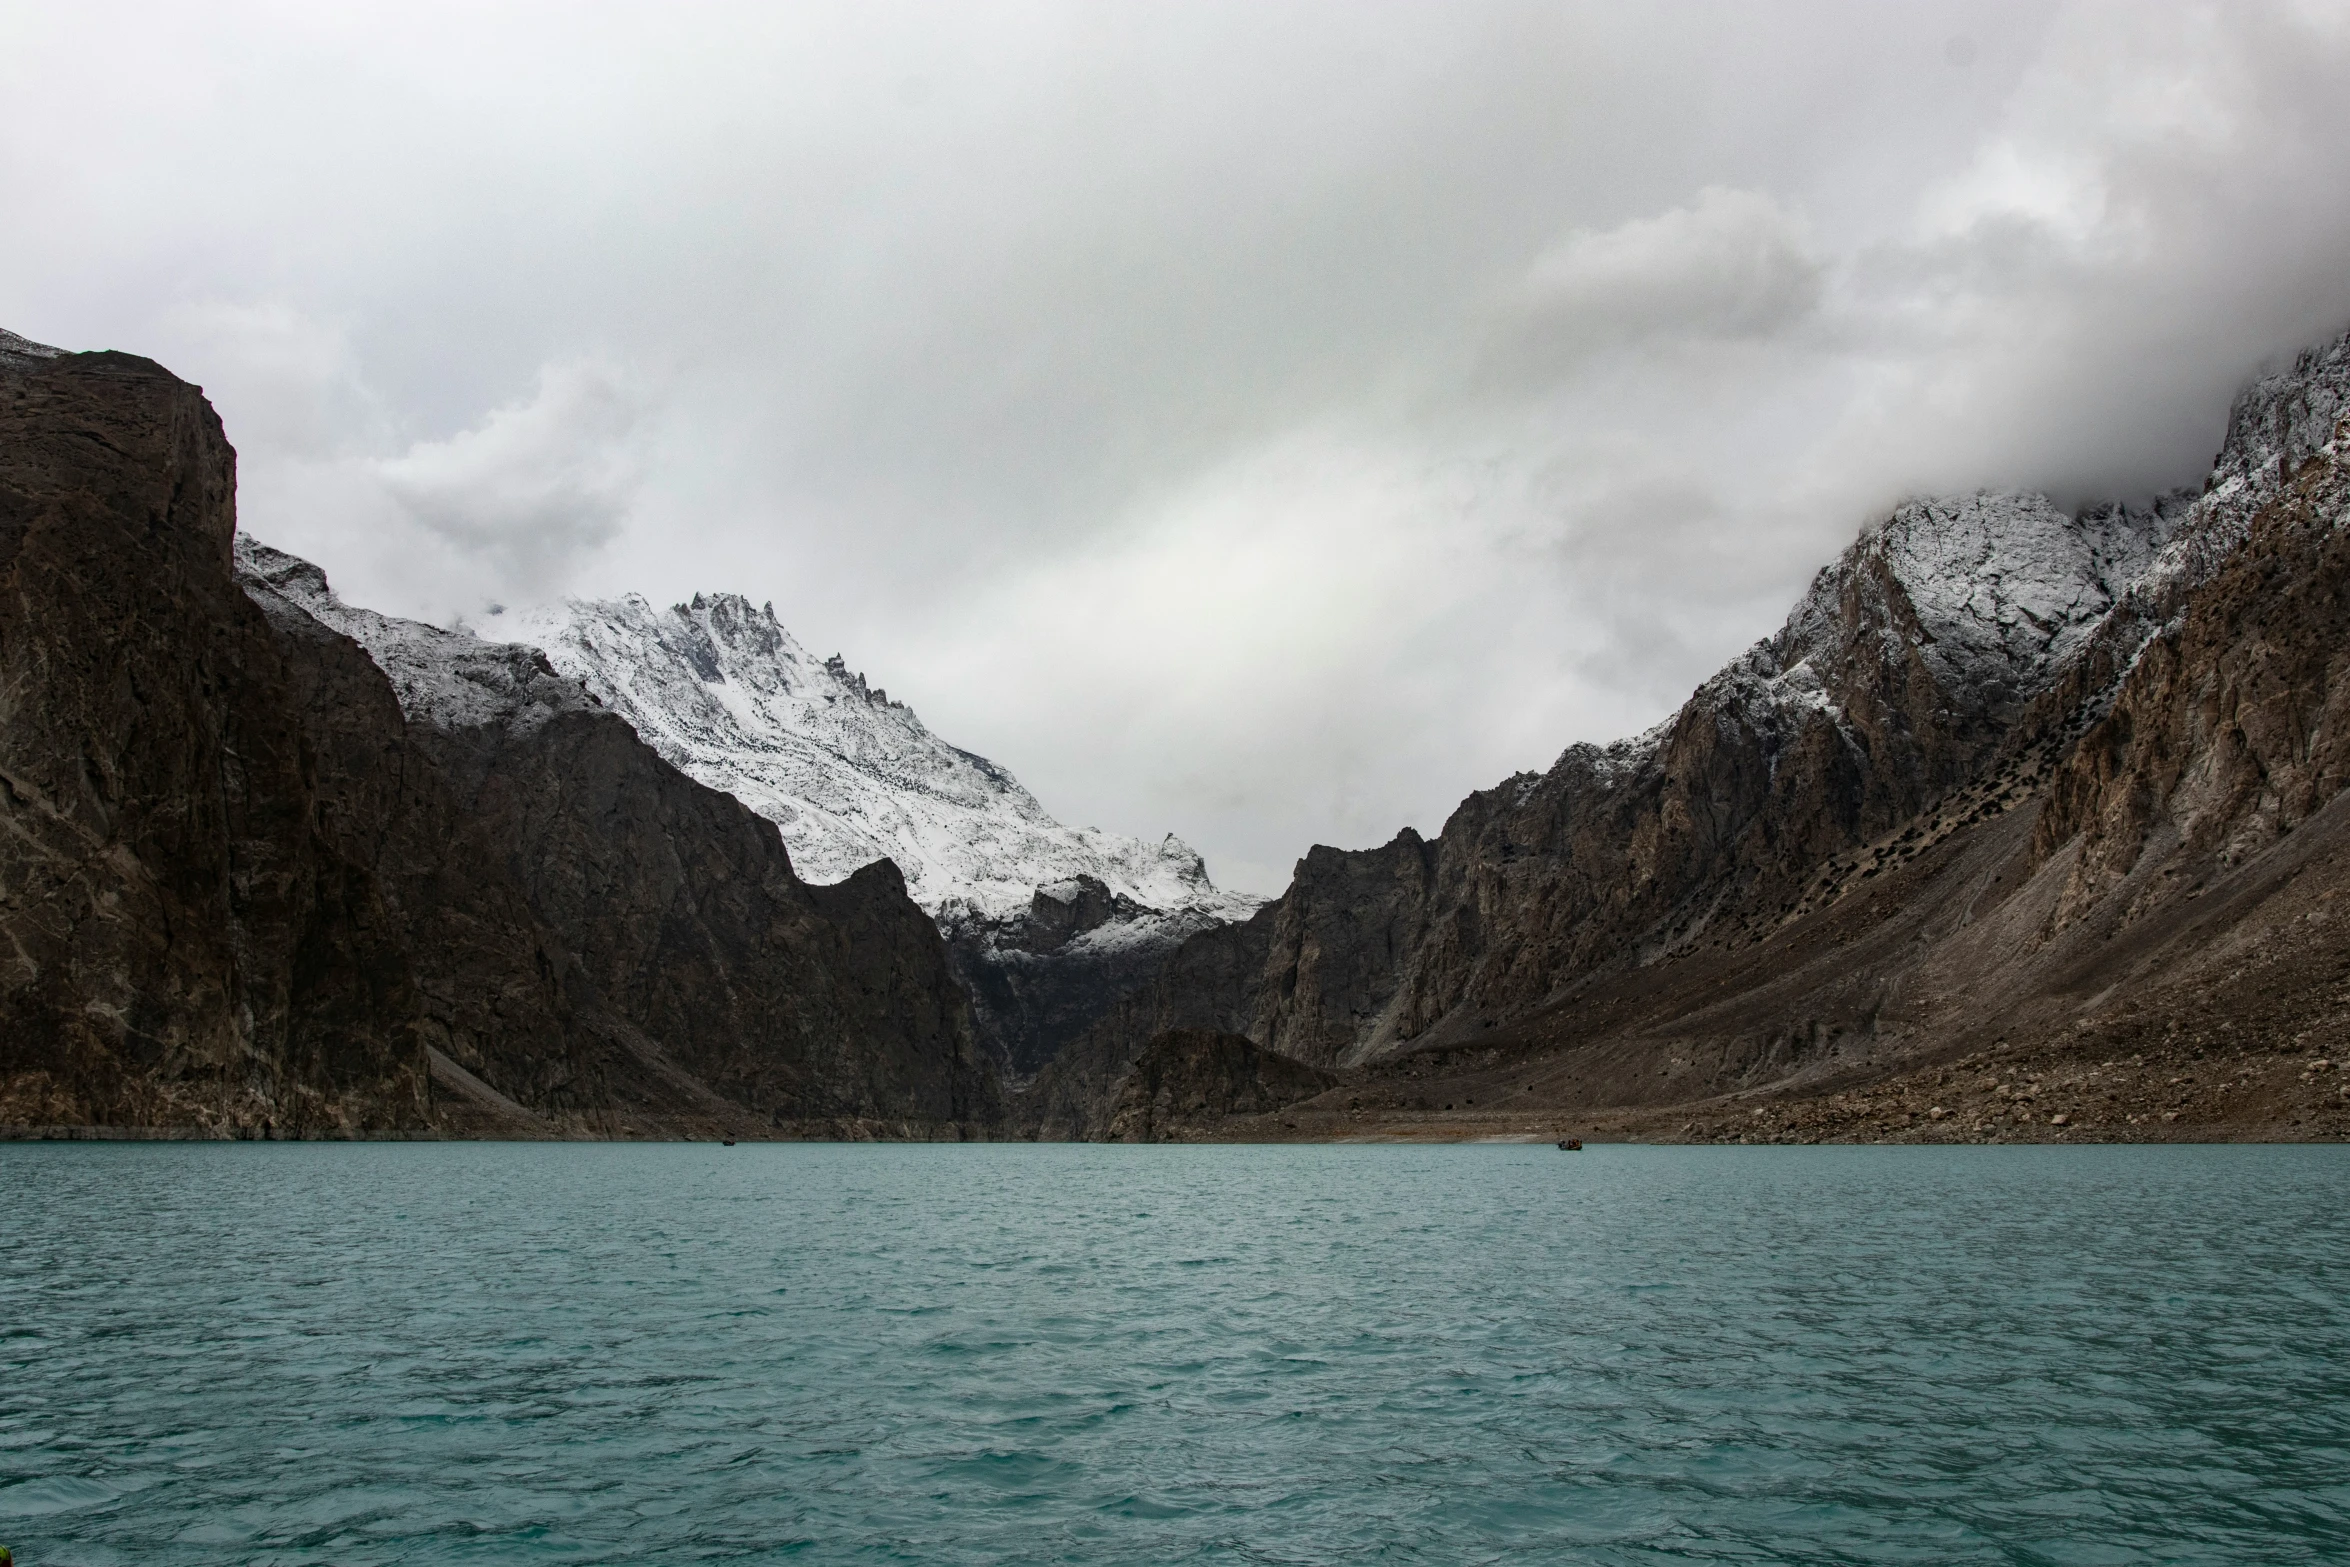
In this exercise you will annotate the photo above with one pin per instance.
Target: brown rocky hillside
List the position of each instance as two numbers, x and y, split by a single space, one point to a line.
2012 796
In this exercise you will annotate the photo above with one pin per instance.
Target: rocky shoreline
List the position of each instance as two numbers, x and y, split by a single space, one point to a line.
2008 1098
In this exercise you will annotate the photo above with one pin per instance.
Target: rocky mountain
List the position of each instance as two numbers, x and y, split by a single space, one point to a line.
277 866
1047 924
1190 1080
1978 798
2025 823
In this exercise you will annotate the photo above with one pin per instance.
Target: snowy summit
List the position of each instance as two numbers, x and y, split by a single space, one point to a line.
728 696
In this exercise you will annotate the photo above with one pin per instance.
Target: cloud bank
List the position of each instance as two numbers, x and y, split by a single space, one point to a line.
1267 423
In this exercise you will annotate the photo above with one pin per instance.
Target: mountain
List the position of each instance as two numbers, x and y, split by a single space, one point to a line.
2008 785
276 866
2025 823
1047 924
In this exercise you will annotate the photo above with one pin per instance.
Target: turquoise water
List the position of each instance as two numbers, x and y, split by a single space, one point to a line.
484 1352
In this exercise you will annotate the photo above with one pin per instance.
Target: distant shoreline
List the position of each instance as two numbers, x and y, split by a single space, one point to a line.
1408 1136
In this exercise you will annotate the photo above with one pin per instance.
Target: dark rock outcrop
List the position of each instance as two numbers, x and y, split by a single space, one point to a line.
1041 978
258 880
1186 1081
2231 724
192 933
1207 983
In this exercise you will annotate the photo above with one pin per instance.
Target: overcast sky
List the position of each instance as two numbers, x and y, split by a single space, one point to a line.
1261 421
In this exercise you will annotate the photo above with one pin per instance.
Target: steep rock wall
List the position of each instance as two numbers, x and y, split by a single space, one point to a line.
260 876
2231 725
195 931
1190 1081
1901 674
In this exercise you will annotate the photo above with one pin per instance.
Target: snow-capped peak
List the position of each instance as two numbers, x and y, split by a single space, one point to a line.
1994 592
2005 587
724 692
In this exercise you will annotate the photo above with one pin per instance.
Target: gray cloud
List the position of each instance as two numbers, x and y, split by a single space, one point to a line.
1262 422
533 486
1731 264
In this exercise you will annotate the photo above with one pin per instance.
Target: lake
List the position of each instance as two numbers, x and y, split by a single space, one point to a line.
323 1353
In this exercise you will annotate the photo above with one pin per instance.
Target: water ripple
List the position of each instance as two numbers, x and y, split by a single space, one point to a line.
476 1353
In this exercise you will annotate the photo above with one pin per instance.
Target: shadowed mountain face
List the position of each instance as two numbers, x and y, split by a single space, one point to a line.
1187 1080
1985 717
273 864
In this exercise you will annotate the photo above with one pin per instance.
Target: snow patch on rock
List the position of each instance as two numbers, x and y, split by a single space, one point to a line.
1998 590
2275 426
1994 592
16 349
726 694
450 679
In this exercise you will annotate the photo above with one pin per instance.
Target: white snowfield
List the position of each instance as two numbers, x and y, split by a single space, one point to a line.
725 694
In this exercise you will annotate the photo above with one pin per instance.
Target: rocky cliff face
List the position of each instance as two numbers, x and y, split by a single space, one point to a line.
2226 730
192 932
1190 1080
1208 984
274 864
1048 925
2147 696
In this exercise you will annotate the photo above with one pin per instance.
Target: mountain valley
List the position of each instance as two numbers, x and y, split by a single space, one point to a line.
2025 824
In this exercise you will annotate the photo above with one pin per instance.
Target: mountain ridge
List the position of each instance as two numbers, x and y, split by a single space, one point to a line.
2022 824
1919 673
1047 924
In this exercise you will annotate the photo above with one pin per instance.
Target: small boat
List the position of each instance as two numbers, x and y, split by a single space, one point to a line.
730 1143
1570 1145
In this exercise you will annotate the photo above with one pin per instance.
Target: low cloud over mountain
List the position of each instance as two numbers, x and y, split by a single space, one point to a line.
1262 423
